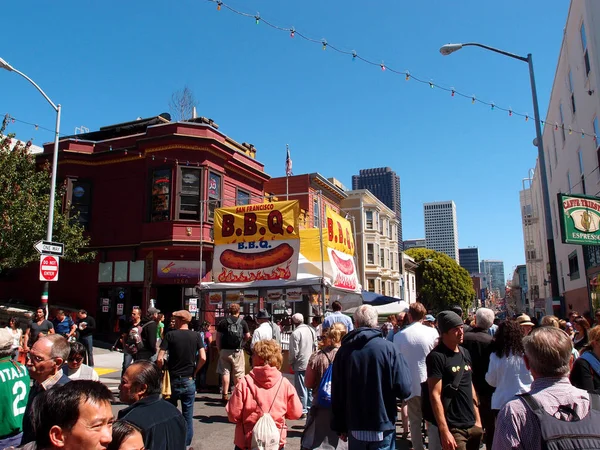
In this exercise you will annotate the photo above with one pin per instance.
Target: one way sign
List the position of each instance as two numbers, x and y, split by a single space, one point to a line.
49 248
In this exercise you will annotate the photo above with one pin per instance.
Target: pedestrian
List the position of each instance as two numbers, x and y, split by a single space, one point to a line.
14 388
429 321
44 363
17 335
389 325
130 337
160 329
317 432
337 316
507 371
64 325
148 335
39 327
399 325
414 343
86 325
586 369
526 324
264 390
206 339
76 369
563 411
231 334
303 342
479 344
186 358
126 436
452 411
75 416
369 375
317 324
581 326
164 426
266 329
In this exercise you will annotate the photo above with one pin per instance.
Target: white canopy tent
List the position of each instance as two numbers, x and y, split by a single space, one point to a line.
384 310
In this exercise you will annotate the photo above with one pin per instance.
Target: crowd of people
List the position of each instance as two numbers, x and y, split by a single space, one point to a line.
454 384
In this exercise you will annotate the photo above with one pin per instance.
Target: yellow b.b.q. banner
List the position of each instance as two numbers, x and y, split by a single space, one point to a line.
263 221
339 233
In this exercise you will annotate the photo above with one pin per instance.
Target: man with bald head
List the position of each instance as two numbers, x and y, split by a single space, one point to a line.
44 363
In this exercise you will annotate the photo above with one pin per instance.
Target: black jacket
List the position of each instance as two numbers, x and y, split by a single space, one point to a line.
584 377
149 340
479 344
164 426
369 374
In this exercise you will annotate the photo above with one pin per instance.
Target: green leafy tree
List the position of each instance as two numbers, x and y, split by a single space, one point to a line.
441 282
24 199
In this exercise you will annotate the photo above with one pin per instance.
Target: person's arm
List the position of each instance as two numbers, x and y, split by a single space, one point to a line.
201 361
246 330
51 329
160 359
476 407
26 340
91 323
311 375
435 394
151 335
255 338
73 329
581 376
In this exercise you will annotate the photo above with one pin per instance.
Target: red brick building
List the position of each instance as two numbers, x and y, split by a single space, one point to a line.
146 191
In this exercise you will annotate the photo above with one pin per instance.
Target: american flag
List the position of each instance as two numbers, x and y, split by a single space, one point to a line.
288 164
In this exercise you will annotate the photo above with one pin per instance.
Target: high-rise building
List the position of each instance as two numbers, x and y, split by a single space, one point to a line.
469 259
441 230
495 269
385 185
415 243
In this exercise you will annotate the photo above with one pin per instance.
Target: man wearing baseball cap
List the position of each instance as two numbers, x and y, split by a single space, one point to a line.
186 358
449 399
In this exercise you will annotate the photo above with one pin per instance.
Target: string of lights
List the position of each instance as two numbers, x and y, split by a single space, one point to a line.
407 75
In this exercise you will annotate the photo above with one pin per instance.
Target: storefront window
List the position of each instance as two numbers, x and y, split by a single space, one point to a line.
136 271
188 207
105 272
214 194
120 271
161 195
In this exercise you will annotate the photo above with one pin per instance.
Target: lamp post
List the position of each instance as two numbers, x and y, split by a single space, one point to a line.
57 108
451 48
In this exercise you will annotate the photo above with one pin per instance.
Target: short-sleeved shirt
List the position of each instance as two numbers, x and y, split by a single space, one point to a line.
159 328
338 317
36 329
14 388
183 347
444 363
222 328
64 326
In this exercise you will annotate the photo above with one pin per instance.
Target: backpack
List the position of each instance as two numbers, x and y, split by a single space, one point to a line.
558 434
265 434
324 391
276 332
235 333
134 342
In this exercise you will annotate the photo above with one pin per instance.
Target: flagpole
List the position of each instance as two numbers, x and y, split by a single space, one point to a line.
287 173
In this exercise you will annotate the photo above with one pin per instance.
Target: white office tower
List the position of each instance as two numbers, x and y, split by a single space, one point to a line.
441 231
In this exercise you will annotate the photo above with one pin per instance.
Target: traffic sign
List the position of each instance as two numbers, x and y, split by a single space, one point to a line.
48 268
49 248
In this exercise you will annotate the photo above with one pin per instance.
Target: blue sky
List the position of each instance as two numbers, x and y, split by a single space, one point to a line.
112 61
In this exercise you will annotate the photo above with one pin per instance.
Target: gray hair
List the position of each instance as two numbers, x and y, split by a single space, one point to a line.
548 351
298 318
60 346
484 318
366 316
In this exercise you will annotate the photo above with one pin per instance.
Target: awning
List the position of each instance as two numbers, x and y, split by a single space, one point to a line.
373 298
385 310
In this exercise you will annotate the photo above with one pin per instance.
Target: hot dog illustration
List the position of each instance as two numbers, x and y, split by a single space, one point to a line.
345 265
253 261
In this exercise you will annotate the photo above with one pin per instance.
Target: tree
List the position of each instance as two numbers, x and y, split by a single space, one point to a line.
441 282
182 104
25 189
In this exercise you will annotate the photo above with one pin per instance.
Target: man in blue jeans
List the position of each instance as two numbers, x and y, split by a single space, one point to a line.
186 358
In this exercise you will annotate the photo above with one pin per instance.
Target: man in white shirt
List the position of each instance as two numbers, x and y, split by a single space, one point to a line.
303 343
265 328
415 342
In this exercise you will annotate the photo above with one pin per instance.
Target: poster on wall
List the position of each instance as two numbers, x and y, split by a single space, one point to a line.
274 295
232 297
294 294
105 309
215 298
171 269
343 270
120 309
339 233
256 242
250 295
193 305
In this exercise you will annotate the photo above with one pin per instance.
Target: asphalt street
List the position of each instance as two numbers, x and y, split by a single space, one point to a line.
212 430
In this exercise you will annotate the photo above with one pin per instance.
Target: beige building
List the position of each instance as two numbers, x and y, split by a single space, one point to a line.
376 232
572 154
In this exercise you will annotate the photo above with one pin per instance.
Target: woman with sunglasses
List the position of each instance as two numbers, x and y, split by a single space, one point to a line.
75 369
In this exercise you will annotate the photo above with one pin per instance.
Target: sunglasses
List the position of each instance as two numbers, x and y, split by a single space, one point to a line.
76 359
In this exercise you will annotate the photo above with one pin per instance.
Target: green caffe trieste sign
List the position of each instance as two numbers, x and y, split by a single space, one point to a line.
579 219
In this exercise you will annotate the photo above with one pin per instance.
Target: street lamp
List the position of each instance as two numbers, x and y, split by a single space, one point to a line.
6 66
451 48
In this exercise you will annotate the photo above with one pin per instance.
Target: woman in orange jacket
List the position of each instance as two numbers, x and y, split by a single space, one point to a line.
264 389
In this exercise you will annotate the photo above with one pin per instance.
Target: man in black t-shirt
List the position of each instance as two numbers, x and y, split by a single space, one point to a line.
186 358
232 332
455 422
86 326
39 327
